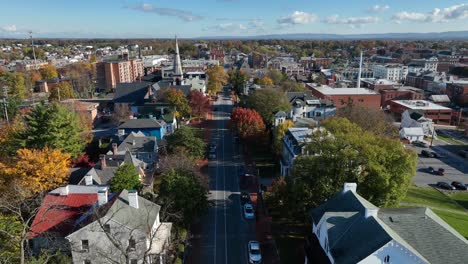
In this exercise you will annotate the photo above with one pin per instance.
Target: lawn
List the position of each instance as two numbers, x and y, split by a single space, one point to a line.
450 139
461 198
458 221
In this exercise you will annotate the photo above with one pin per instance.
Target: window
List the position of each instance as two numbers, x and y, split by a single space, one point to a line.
131 244
87 261
133 261
85 245
106 228
386 259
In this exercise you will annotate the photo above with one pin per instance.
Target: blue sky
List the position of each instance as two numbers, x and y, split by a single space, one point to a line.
195 18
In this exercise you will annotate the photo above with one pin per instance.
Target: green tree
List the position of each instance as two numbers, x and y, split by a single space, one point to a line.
267 102
53 126
40 54
181 192
12 108
48 72
278 134
217 77
292 86
177 99
10 233
185 138
276 76
237 79
126 177
382 167
61 91
15 83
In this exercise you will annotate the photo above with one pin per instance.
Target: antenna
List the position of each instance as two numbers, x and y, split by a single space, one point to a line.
34 52
359 73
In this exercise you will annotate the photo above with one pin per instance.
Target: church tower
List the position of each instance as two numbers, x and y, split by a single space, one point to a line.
177 75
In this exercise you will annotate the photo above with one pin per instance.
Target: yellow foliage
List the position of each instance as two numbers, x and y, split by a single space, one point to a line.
38 169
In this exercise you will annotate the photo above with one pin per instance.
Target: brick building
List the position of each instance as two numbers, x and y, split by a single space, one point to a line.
400 93
440 115
341 96
217 54
109 73
377 84
458 92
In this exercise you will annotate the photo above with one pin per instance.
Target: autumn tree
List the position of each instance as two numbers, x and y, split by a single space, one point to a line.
275 76
267 102
278 134
48 72
217 77
292 86
61 91
184 139
265 80
199 103
15 84
177 99
125 178
82 76
247 123
121 113
237 79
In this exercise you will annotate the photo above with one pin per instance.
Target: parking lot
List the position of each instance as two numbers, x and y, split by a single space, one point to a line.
456 168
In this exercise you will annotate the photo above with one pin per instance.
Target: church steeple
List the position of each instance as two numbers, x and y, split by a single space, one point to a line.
177 64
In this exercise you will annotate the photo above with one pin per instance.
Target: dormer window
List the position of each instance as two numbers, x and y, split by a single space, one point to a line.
387 259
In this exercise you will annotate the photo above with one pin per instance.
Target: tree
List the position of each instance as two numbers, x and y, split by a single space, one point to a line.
199 103
48 72
181 191
237 79
61 91
125 178
177 99
12 108
185 138
276 76
248 123
121 113
38 52
217 77
267 102
374 121
382 167
278 134
53 126
292 86
265 80
15 84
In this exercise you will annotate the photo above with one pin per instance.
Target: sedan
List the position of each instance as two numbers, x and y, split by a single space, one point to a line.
459 185
427 153
430 170
255 256
440 172
437 155
445 185
248 211
245 197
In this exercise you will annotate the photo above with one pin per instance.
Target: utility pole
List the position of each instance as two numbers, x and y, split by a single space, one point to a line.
34 52
5 102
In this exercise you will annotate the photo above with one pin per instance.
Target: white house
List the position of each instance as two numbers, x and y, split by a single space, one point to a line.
393 72
410 119
305 105
349 229
412 134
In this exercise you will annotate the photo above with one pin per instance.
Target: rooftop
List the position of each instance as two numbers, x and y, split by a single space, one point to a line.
327 90
420 105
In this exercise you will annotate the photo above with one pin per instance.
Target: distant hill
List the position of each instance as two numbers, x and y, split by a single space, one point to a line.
313 36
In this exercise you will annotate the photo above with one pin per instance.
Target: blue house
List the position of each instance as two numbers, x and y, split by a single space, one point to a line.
149 127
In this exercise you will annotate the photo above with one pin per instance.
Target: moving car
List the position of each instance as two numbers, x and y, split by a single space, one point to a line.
420 144
255 255
245 197
427 153
459 186
445 185
248 211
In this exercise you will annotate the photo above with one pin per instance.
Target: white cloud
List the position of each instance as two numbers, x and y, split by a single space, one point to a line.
378 8
436 15
297 17
8 28
227 27
354 21
163 11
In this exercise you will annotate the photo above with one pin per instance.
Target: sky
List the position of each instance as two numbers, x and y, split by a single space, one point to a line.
199 18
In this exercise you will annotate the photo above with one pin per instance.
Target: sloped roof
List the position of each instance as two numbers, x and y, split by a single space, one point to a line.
413 131
426 232
141 123
138 142
281 114
131 93
439 98
59 213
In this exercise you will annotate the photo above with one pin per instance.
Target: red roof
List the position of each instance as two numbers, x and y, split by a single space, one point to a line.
59 213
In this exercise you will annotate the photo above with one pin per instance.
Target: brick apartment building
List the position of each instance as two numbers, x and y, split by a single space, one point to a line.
341 96
440 115
315 63
257 60
109 73
377 84
458 92
400 93
217 54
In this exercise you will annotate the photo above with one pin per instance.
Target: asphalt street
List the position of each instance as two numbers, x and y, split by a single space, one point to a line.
225 233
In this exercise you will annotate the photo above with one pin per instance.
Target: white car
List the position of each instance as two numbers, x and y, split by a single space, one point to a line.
255 256
248 211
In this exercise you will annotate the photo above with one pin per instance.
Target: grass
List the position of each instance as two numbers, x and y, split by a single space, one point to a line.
430 197
457 221
290 248
461 198
450 140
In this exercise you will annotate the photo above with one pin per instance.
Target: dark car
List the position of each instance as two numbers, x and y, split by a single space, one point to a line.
440 172
463 153
420 144
459 185
245 197
212 147
437 155
427 153
445 185
430 170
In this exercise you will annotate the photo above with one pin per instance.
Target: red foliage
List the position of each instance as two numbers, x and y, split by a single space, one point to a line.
248 123
83 162
199 103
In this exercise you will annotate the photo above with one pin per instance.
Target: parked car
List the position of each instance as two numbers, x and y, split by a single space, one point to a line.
445 185
212 147
459 186
212 154
463 153
255 255
245 197
427 153
248 211
438 155
440 172
420 144
430 170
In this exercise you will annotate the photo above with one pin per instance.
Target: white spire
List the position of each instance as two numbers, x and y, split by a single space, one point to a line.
177 64
360 72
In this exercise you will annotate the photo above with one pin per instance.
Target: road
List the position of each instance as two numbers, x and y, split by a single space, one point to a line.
225 233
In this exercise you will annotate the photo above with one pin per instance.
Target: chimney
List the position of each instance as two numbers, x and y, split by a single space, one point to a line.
88 180
371 212
102 197
133 143
102 157
114 149
350 186
63 190
133 198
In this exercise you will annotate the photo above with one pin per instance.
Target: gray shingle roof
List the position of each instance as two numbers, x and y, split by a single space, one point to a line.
141 123
132 93
138 142
428 234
